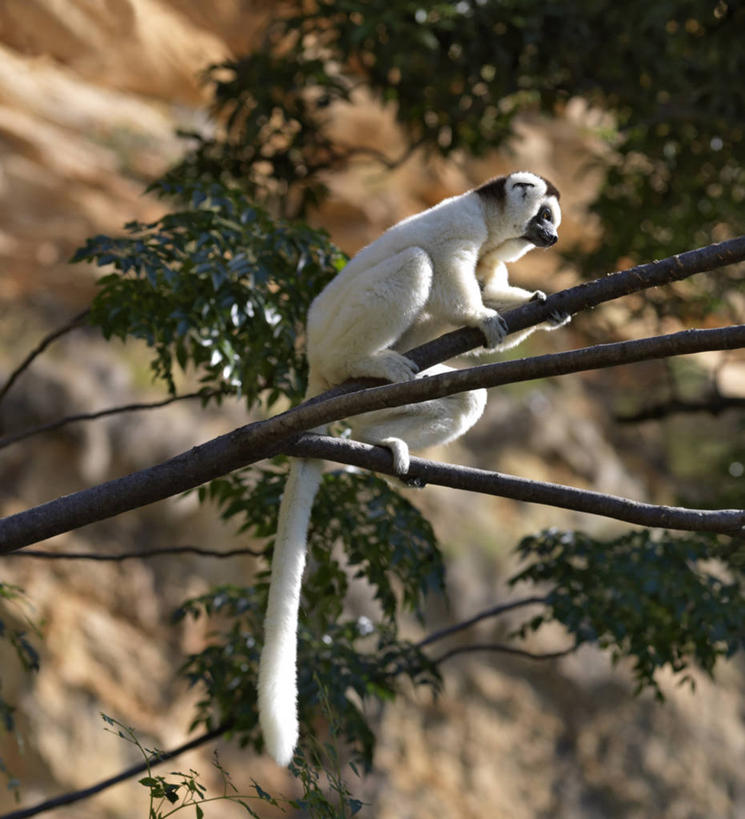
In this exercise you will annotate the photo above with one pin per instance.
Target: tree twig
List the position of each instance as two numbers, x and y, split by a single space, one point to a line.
263 439
142 554
494 611
504 649
8 440
128 773
714 404
74 322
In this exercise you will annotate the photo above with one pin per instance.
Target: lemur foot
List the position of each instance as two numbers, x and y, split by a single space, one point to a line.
400 453
397 367
494 329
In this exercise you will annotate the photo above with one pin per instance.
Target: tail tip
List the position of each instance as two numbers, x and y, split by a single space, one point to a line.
280 738
281 748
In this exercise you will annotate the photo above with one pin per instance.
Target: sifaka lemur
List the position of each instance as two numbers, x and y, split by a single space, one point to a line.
428 274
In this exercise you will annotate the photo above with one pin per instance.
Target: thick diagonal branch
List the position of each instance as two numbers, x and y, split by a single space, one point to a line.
257 441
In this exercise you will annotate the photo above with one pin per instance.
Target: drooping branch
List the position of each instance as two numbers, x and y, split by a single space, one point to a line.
487 614
493 611
257 441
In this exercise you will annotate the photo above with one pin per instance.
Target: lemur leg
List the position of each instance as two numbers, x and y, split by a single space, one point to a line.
353 339
418 426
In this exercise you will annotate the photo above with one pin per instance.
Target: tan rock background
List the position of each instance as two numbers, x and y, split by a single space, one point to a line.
91 92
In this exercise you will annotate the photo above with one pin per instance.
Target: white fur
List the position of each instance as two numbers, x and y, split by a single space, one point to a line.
277 671
435 271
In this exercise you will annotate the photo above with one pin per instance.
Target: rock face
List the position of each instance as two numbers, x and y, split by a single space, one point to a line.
91 92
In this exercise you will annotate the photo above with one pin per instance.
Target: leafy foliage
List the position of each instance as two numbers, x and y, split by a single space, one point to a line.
651 598
384 540
457 74
220 287
168 797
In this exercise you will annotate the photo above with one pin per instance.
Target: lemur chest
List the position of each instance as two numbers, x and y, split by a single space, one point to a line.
490 269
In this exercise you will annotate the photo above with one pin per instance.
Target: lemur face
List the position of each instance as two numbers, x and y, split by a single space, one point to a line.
533 207
527 211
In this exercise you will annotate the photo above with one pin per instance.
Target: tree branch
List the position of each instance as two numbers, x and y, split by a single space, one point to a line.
92 416
128 773
39 349
714 404
494 611
263 439
501 647
378 459
255 442
142 554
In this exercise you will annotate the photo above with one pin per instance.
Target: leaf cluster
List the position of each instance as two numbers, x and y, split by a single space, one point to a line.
218 287
654 598
382 538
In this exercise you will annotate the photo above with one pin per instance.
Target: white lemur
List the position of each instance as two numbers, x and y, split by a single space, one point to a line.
431 273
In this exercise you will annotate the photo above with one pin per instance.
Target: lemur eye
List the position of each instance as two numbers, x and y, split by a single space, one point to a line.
546 215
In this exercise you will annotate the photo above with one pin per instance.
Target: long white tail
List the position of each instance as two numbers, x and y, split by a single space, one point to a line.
277 669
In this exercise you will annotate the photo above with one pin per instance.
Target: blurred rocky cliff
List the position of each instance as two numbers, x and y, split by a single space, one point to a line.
91 94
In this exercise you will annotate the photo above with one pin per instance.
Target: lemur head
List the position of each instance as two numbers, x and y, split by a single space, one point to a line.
522 213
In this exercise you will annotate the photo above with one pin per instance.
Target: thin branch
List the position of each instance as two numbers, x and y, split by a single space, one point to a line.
128 773
715 404
494 611
589 294
39 349
8 440
263 439
142 554
347 152
378 459
500 647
